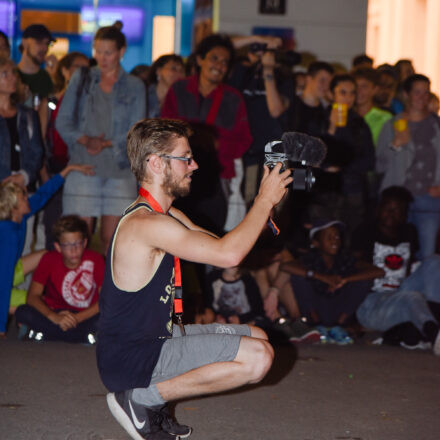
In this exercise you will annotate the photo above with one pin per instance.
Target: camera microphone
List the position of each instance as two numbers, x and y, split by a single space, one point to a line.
300 147
303 151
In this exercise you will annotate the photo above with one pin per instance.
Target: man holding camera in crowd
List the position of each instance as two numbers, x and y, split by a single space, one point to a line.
143 359
266 94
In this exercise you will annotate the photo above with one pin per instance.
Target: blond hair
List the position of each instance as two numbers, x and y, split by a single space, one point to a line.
9 192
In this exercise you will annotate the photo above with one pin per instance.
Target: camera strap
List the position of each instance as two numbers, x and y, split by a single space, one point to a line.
178 291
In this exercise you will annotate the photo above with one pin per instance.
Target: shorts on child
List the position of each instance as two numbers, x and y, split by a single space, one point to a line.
18 296
202 345
94 196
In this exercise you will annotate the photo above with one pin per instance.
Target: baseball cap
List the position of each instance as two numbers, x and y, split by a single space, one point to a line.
320 224
38 32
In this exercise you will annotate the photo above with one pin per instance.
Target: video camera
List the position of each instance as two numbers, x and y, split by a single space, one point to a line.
299 152
288 58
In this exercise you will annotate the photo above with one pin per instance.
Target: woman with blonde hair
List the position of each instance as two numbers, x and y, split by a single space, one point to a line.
98 109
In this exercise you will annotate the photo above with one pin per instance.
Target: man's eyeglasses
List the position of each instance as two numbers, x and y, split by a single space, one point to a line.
74 245
188 160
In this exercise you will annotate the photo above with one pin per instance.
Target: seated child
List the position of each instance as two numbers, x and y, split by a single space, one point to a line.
398 297
234 296
62 302
328 284
15 209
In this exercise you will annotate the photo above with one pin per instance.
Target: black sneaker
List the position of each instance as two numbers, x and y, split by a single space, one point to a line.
170 424
139 421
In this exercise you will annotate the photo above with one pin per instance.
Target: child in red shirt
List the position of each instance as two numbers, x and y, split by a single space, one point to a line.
62 302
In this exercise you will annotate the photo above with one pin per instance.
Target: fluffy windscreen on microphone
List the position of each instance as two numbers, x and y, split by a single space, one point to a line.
300 147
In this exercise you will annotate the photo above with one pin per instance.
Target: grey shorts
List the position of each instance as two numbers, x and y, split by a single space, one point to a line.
94 196
202 345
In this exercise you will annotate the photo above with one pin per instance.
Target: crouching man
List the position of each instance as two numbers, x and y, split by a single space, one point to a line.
144 360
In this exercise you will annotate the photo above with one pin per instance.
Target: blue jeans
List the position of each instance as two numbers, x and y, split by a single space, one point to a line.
425 215
31 317
383 310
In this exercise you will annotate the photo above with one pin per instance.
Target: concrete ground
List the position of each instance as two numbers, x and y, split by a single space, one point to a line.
51 391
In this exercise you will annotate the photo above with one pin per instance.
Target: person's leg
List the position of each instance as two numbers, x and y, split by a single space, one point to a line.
306 297
349 298
426 279
425 215
251 364
82 196
34 320
209 358
108 226
383 310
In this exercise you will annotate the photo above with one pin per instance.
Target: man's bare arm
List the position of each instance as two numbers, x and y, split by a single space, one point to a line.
167 234
179 215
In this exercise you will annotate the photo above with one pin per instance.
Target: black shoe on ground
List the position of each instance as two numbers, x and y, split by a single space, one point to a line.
139 421
170 424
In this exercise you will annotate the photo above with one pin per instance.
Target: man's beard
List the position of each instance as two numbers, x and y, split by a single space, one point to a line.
173 188
34 59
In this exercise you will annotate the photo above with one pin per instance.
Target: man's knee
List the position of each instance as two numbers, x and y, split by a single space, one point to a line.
256 356
257 332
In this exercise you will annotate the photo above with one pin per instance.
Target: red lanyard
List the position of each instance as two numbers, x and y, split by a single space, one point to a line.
178 303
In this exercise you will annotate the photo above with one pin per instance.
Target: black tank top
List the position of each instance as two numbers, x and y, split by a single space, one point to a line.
133 325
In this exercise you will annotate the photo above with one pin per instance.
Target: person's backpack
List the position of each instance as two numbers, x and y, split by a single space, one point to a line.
83 86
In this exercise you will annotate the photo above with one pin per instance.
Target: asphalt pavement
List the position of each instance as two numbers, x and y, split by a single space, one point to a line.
52 391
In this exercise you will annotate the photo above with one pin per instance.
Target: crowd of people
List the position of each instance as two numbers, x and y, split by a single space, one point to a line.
356 253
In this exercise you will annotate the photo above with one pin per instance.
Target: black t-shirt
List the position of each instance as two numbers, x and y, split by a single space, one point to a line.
264 128
39 83
393 255
240 297
307 119
15 144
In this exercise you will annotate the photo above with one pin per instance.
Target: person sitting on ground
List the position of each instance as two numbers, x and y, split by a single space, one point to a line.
328 284
62 302
15 209
397 297
233 295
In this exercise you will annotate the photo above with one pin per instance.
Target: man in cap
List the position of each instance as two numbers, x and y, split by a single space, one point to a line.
35 43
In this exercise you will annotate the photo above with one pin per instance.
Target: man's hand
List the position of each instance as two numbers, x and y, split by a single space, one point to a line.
273 185
64 319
